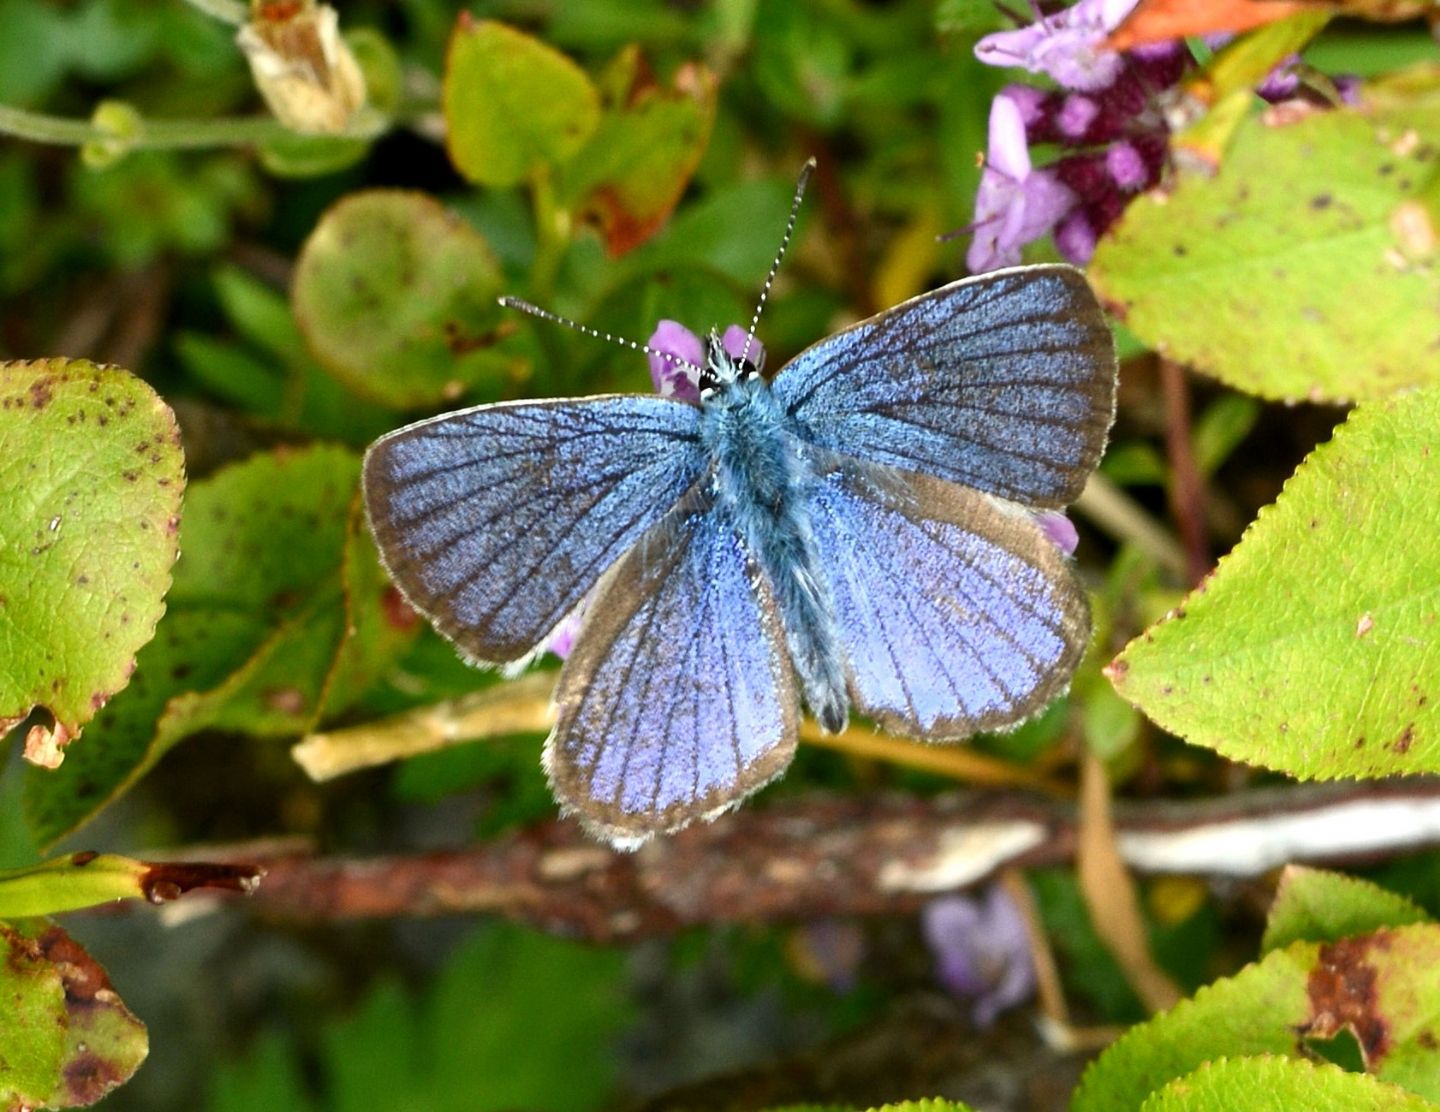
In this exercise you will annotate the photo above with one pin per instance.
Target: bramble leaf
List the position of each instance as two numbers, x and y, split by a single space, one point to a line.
1314 647
1314 905
92 473
1268 1083
258 639
1315 284
1366 986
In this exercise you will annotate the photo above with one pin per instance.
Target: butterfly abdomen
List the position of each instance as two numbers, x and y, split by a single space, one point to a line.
763 482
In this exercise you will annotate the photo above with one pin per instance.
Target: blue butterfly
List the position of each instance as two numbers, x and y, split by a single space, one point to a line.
853 532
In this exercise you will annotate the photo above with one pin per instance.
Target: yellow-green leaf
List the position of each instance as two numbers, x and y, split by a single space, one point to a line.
1313 283
91 475
512 104
1314 647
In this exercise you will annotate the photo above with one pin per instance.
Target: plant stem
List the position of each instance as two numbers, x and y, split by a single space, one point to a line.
169 134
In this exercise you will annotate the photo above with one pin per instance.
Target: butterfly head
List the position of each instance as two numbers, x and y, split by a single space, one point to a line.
723 368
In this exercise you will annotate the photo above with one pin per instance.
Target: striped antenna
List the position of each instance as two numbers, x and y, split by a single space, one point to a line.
805 172
645 349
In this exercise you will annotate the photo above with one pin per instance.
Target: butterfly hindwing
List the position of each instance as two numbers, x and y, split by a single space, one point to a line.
495 521
956 613
1004 382
678 700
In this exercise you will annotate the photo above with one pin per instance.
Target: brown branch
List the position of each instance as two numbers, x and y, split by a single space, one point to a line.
814 856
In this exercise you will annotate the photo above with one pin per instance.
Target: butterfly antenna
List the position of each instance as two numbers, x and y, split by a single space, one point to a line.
645 349
805 172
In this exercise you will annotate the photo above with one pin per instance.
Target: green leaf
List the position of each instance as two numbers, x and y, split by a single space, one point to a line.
261 636
92 473
512 104
396 298
456 1047
1314 905
629 176
1372 986
1313 647
67 1039
1268 1084
1226 422
1297 251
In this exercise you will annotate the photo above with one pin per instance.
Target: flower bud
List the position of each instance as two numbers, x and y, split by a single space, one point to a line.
301 65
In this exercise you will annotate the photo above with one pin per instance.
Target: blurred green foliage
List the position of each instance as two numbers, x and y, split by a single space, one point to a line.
623 161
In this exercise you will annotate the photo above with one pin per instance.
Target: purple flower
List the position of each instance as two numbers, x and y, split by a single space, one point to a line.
682 380
562 637
676 380
1060 529
1069 45
981 951
1015 203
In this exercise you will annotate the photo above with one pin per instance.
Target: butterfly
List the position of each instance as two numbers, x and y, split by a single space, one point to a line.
854 532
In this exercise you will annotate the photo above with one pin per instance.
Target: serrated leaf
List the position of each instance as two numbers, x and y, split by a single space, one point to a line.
67 1038
629 176
396 297
1314 905
1268 1084
1311 286
1314 647
257 634
512 104
1369 986
92 473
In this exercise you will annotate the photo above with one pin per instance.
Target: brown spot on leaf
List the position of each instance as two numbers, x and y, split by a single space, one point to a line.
83 858
42 392
1342 993
1407 736
88 1077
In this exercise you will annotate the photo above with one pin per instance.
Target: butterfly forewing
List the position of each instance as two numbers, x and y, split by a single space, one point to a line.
678 701
956 614
496 521
1004 382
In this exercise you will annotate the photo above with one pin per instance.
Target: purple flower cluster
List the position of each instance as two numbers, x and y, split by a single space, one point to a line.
1104 117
